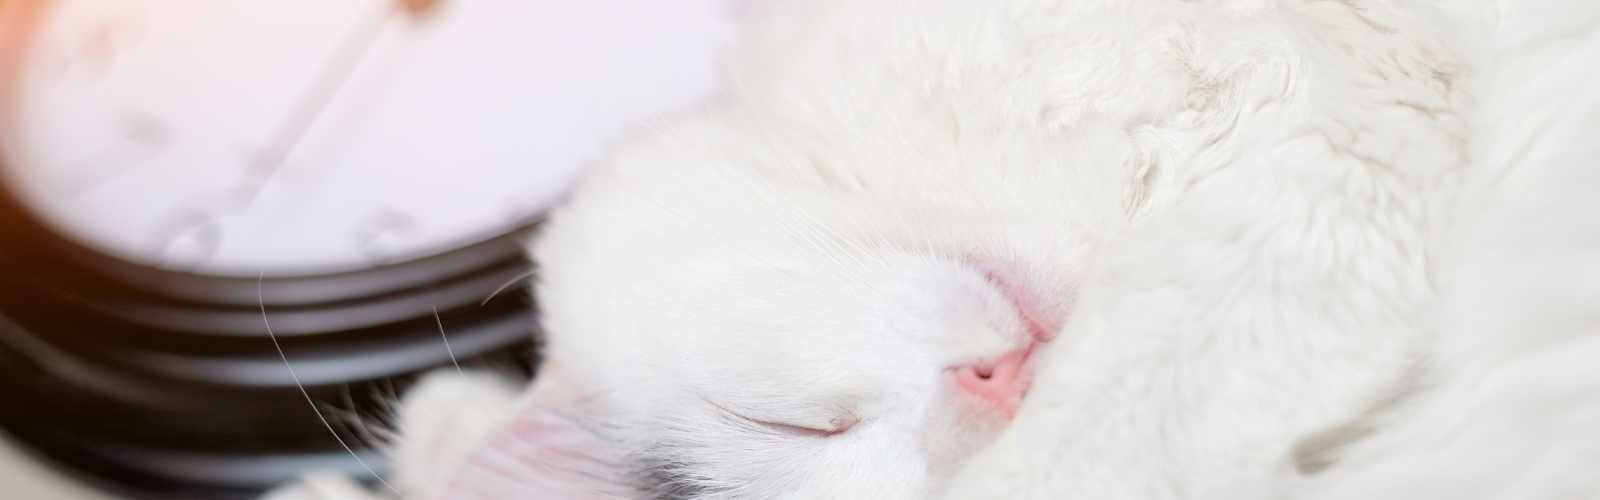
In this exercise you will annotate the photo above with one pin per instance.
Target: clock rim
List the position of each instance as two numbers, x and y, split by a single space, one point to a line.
51 268
52 265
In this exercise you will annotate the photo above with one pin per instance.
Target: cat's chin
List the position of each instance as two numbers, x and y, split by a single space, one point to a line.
979 425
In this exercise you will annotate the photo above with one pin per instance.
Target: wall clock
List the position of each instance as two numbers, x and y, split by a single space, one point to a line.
170 167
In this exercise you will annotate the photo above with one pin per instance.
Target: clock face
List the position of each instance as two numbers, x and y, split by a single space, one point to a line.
292 136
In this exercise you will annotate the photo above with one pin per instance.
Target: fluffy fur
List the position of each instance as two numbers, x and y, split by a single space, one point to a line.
1318 250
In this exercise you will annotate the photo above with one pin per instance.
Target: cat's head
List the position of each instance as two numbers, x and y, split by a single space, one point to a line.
729 316
811 289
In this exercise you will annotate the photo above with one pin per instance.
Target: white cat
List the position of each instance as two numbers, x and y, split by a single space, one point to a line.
1142 249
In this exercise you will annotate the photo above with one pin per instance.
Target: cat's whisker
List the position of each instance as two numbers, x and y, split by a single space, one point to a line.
364 432
386 415
278 346
446 339
501 288
388 385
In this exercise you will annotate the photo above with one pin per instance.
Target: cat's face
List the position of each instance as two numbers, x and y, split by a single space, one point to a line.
816 289
753 331
722 383
806 292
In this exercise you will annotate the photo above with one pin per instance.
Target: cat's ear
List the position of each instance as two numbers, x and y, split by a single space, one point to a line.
547 446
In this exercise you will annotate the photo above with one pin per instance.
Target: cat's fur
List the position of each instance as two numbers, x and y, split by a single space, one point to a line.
1303 249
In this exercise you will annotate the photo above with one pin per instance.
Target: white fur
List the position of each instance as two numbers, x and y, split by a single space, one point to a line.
1511 407
1274 216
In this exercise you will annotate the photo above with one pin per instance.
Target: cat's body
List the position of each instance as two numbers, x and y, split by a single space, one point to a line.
1508 406
1244 248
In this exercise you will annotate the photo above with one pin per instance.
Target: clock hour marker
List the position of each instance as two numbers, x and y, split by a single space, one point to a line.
190 240
93 52
143 136
382 232
144 129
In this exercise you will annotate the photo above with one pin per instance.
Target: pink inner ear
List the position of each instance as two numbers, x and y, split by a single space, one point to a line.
540 453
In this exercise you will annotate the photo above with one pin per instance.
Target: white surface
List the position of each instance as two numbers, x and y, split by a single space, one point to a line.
149 128
22 478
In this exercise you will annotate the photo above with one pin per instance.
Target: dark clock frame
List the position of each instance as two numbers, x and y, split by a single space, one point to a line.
164 385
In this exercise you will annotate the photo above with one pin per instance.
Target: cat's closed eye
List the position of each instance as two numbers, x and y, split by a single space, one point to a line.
839 425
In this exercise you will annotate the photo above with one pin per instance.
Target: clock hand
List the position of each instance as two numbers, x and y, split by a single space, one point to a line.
202 223
312 105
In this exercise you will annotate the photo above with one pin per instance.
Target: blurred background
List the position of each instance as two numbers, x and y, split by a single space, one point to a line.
361 171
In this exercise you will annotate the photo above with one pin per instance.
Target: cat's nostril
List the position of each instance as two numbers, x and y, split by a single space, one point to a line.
999 383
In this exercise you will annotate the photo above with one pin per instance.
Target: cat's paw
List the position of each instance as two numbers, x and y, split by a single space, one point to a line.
323 486
442 420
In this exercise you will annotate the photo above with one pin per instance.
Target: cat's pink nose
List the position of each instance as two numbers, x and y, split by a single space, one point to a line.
999 384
